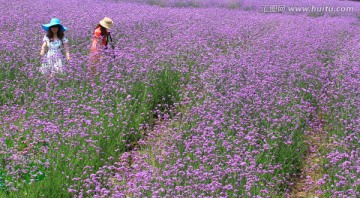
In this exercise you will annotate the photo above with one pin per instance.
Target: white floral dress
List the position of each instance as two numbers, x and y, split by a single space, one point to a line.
54 58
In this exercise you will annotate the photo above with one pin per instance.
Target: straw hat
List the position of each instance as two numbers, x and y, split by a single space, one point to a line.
53 22
106 23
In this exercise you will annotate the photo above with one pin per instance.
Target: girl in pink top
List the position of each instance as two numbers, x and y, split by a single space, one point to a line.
100 40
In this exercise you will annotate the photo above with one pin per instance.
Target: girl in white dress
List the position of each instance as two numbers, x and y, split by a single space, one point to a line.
54 42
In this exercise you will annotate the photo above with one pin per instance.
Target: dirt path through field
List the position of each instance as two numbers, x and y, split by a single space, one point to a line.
306 184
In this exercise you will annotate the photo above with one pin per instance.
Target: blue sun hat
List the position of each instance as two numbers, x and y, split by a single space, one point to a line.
54 21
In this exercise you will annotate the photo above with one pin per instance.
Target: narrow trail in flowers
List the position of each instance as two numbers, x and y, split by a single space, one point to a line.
156 136
306 184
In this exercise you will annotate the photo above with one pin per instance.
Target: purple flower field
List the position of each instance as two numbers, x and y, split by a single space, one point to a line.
204 98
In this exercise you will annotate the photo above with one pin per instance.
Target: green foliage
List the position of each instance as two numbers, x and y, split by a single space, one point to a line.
187 4
234 6
160 3
316 14
165 88
249 8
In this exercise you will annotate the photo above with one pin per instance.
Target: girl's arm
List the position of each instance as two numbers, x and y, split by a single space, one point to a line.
95 40
67 54
43 48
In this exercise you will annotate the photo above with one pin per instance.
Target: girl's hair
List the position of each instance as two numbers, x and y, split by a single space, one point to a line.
103 30
60 33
